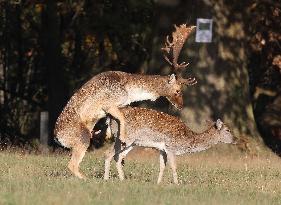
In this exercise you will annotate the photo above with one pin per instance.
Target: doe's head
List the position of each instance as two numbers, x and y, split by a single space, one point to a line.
225 135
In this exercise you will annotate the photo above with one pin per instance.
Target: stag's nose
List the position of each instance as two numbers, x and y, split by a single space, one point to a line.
179 106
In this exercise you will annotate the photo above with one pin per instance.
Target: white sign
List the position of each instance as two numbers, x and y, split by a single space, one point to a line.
204 30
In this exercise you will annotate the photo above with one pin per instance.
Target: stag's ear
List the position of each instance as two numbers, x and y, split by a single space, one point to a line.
219 124
172 79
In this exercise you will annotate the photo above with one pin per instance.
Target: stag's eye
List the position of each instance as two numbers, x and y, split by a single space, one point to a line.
178 92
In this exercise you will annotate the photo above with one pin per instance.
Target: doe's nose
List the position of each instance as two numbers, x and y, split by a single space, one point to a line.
235 140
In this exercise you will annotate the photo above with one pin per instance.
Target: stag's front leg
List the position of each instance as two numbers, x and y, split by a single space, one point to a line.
116 113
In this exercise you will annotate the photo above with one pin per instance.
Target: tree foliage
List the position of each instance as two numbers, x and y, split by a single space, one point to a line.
49 49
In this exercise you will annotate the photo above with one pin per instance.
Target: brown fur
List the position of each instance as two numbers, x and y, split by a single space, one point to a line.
106 93
149 128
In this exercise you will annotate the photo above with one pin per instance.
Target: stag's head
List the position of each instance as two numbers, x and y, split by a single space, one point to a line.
173 92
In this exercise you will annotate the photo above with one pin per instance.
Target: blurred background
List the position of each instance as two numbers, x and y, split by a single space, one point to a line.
48 49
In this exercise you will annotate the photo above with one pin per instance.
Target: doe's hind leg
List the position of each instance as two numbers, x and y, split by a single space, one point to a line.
78 151
112 152
121 156
108 157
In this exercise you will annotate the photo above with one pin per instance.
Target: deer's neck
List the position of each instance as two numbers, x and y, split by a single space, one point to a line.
143 87
202 141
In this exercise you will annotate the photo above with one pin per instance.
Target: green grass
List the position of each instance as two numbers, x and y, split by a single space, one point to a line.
206 178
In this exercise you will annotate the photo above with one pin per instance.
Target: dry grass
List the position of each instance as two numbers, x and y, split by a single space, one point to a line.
218 176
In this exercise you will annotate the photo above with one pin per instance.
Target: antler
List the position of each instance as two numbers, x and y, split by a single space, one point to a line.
172 49
188 81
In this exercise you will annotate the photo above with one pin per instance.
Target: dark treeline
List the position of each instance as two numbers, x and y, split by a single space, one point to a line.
48 49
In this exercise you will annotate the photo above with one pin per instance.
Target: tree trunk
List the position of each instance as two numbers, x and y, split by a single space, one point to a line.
220 67
57 89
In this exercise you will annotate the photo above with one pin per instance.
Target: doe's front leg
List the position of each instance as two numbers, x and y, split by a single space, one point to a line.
163 162
172 162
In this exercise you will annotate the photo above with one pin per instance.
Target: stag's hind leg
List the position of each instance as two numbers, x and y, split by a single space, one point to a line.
79 148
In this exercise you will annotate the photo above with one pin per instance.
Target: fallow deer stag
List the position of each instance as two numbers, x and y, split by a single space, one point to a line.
106 93
172 50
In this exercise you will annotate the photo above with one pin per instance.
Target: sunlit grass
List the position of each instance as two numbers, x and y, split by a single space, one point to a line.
206 178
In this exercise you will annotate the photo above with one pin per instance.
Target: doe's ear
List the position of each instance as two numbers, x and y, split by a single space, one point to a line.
219 124
172 79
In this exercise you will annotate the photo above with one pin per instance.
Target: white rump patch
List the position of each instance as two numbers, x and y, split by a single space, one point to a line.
63 142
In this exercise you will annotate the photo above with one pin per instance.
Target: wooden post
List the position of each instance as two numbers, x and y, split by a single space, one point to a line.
44 132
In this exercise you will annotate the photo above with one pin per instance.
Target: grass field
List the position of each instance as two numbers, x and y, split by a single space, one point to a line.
212 177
